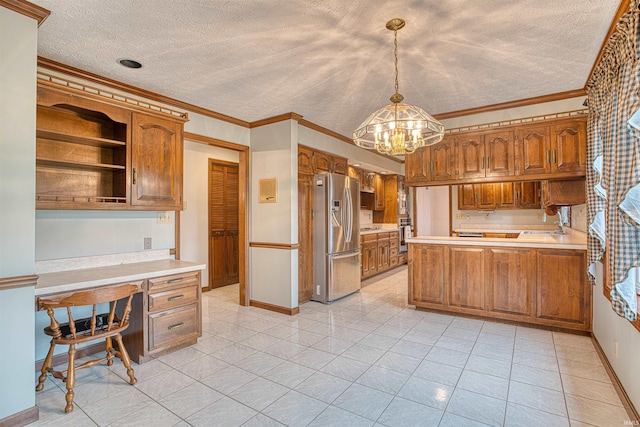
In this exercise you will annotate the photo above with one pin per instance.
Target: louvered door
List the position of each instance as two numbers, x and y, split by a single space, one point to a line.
223 223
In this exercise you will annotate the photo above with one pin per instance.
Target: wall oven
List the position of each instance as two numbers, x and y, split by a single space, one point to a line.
404 226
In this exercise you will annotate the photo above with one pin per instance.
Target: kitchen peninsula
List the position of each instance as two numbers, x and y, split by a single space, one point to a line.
537 278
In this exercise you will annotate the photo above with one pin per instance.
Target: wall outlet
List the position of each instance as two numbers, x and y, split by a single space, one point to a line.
461 216
147 242
164 217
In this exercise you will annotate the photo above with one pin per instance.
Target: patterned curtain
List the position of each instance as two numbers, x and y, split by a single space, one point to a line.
613 151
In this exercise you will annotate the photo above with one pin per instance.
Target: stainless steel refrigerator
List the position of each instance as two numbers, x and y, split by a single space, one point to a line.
336 234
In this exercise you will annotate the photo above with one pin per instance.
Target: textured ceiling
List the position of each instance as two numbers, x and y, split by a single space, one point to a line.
331 60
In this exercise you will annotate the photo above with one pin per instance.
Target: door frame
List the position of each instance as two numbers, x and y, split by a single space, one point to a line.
243 217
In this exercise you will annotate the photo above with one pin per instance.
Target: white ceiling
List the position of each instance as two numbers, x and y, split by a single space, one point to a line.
331 60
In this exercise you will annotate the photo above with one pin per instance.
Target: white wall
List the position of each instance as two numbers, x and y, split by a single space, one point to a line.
18 51
432 211
274 272
194 220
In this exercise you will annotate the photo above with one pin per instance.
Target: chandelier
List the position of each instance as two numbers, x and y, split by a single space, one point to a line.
398 128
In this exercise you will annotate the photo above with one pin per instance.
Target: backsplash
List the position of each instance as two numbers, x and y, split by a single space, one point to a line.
366 218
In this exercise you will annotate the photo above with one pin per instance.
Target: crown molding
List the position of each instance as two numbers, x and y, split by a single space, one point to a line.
275 119
26 8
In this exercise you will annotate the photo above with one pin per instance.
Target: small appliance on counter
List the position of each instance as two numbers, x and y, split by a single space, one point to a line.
336 247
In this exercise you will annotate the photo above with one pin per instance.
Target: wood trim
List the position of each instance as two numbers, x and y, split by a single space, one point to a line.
243 216
176 250
214 142
276 119
276 308
63 358
95 78
288 246
512 104
26 8
21 418
343 138
172 251
622 394
18 282
622 9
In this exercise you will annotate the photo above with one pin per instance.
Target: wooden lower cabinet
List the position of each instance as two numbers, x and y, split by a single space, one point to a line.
467 277
369 256
561 293
166 316
379 253
538 286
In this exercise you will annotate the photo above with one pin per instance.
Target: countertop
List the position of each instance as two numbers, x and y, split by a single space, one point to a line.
72 280
571 240
379 230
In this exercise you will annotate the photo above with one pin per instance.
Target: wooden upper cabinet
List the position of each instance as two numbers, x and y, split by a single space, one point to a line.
339 165
156 162
321 162
487 195
378 189
418 166
507 195
442 160
532 148
429 164
528 195
569 147
470 156
563 193
466 196
305 159
499 154
502 195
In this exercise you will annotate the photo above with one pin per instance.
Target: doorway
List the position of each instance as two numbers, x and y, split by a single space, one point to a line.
224 241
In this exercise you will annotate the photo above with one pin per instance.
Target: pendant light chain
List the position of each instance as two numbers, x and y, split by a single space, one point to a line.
395 54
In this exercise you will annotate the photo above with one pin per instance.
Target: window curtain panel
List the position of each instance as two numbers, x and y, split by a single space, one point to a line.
613 151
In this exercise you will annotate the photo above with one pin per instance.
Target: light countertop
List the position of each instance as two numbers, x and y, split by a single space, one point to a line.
571 240
72 280
379 230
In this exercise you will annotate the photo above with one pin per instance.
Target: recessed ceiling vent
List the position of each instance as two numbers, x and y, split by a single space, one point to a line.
129 63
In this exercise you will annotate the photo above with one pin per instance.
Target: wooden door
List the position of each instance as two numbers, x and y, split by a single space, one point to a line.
569 147
418 166
487 195
469 157
499 154
428 277
339 165
383 254
378 189
369 257
563 292
466 196
305 159
443 160
156 162
528 194
532 151
508 266
305 237
467 277
223 223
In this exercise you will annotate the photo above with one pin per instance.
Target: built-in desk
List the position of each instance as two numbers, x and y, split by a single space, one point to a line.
167 312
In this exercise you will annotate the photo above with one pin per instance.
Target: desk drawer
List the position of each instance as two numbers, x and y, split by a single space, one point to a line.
174 280
172 325
173 297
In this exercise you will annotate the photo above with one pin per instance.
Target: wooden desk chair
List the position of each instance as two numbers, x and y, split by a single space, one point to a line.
98 326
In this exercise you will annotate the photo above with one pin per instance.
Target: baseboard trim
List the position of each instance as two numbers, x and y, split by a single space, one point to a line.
21 418
634 417
63 358
276 308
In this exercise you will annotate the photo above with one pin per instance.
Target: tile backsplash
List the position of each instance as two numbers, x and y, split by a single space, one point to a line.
366 218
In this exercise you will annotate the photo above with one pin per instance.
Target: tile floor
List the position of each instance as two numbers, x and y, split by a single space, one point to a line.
366 360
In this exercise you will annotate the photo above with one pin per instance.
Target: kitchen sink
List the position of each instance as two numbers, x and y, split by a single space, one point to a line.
545 232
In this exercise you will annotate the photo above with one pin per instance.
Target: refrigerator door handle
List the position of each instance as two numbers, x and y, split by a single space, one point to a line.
349 214
346 254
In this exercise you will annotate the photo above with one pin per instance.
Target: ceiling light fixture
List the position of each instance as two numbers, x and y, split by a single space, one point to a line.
129 63
398 128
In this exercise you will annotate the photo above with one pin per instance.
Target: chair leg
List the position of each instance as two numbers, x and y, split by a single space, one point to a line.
124 356
45 367
71 378
110 351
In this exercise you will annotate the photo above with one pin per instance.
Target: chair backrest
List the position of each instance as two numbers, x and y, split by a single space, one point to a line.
98 324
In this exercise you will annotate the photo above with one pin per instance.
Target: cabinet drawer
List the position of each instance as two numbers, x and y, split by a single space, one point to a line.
175 280
393 243
393 251
393 261
173 297
369 237
383 236
402 259
172 325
